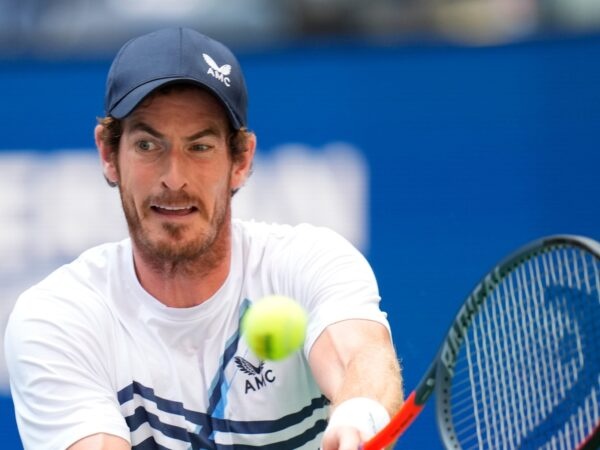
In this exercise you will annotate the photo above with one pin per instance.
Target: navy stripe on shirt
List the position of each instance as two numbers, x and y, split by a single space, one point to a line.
207 424
150 444
295 442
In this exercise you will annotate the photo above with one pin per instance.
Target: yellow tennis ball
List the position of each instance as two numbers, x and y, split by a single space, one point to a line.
274 327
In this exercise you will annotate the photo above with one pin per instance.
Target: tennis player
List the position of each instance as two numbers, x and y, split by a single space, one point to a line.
136 344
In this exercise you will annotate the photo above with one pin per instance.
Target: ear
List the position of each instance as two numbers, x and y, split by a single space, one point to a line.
242 168
107 157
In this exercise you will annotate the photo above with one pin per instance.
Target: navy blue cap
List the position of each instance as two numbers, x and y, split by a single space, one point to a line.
175 55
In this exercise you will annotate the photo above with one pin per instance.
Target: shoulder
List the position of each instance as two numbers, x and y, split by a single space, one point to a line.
63 324
303 249
305 236
73 292
300 255
61 337
90 269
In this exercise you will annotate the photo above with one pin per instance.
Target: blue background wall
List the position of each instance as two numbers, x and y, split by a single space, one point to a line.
472 152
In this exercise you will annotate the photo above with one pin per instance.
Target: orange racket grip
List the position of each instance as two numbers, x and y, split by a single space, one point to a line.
399 423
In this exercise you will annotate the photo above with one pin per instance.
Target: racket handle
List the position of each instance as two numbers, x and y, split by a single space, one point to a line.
399 423
592 441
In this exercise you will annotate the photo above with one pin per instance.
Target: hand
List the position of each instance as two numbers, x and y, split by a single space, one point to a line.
342 437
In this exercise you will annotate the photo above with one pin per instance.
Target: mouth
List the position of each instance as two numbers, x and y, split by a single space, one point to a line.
174 210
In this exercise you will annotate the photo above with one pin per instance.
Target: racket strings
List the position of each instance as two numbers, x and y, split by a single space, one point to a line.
529 360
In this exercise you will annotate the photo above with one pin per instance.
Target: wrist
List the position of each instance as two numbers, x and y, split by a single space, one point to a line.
365 414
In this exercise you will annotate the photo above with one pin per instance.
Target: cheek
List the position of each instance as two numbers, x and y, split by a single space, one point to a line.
215 180
131 171
134 183
213 191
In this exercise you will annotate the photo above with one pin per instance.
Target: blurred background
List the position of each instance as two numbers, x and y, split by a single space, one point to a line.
436 135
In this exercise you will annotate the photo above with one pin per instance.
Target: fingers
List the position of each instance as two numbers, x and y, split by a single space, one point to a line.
341 438
353 422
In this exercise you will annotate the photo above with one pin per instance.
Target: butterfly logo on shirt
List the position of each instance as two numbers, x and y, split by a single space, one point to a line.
247 367
258 378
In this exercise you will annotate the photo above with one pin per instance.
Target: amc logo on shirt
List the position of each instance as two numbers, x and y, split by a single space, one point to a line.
258 378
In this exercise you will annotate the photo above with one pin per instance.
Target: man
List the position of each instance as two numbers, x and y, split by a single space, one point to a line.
136 344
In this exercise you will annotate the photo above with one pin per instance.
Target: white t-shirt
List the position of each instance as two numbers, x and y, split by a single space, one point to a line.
90 351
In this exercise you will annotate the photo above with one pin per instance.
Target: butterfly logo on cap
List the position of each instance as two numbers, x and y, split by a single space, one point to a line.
221 73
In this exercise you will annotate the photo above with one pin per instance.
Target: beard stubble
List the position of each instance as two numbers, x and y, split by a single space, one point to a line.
174 255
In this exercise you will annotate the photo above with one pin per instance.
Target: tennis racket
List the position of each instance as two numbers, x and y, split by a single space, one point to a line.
520 365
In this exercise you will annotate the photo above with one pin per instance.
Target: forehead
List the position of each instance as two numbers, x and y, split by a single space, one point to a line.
183 101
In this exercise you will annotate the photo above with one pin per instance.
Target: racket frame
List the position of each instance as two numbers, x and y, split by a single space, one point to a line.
441 371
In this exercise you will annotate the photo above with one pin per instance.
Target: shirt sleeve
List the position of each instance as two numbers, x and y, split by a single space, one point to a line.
331 279
60 383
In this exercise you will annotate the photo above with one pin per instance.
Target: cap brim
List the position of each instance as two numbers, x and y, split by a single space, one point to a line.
128 103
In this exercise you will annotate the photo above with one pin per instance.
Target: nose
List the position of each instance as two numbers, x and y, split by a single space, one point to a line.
174 175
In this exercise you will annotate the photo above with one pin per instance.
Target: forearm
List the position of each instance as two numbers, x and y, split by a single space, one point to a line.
372 380
101 441
355 364
372 372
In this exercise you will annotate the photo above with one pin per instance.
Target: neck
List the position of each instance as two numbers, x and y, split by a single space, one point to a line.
183 285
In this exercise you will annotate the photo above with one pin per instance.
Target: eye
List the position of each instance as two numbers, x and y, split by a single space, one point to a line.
145 145
200 147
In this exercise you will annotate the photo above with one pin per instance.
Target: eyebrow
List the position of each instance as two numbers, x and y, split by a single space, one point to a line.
209 131
141 126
